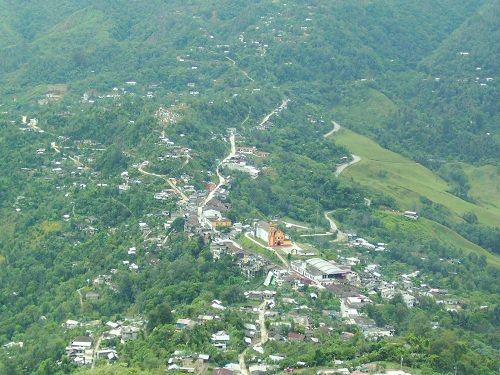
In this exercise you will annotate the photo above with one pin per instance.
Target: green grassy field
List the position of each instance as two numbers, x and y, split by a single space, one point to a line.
426 229
365 108
253 247
405 180
485 185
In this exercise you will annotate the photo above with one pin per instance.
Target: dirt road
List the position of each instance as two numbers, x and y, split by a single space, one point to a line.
167 179
342 167
341 236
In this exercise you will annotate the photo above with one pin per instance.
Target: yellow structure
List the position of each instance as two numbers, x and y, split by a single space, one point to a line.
220 223
276 237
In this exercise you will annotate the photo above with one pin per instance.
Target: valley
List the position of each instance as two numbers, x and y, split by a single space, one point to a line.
249 188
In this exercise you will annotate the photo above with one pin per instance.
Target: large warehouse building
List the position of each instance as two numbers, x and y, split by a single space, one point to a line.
318 270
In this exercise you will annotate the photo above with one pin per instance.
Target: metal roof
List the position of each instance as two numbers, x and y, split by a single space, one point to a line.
324 267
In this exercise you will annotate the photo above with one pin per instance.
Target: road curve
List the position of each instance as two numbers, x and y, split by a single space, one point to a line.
355 158
341 236
222 179
342 167
336 128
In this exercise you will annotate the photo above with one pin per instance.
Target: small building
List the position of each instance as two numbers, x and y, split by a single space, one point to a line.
92 296
220 340
221 223
212 214
409 300
185 323
411 215
79 350
223 371
70 324
82 341
294 336
247 150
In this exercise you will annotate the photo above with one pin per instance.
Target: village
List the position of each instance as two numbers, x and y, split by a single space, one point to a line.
300 293
292 274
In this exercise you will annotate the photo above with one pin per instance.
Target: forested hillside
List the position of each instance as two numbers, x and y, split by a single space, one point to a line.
142 143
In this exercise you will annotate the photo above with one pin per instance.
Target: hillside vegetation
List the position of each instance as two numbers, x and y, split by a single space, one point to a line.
405 180
119 120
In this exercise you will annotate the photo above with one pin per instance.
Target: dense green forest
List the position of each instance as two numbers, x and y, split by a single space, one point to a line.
115 116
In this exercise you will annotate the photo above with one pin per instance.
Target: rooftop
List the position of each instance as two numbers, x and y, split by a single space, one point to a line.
324 266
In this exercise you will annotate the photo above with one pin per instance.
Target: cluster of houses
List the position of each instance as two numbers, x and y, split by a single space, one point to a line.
239 162
251 264
85 350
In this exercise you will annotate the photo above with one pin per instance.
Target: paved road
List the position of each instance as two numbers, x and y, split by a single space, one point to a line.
96 351
276 110
243 366
294 225
355 158
264 337
316 234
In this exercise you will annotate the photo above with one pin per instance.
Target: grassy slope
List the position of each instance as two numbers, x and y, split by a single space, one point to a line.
485 184
398 176
404 179
364 108
426 229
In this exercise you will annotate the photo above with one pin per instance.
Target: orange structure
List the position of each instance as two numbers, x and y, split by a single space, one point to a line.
220 223
276 237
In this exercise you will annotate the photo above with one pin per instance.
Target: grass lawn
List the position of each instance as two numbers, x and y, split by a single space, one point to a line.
403 179
248 245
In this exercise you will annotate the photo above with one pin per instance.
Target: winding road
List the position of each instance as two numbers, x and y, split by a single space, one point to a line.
243 366
95 352
342 167
241 70
264 336
222 179
336 128
355 158
341 236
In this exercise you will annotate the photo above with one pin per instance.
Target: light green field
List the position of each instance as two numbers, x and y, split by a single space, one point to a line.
485 185
365 108
426 229
405 180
